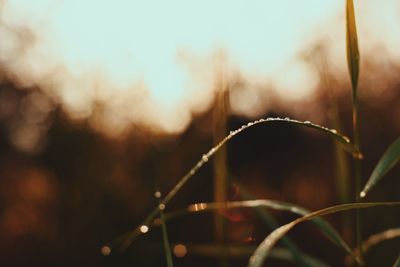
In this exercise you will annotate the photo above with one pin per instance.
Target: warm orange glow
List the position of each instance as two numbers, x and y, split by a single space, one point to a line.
197 207
106 250
180 250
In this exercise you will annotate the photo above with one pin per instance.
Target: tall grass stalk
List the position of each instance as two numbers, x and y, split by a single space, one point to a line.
353 61
342 169
220 159
167 246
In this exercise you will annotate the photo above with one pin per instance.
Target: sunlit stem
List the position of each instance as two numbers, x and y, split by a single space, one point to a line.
357 174
220 159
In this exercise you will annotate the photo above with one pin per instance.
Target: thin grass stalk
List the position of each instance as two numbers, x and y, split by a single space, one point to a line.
220 159
167 246
353 61
342 170
125 240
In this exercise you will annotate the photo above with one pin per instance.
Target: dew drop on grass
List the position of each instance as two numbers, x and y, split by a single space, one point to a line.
307 122
204 158
333 131
157 194
144 229
362 194
161 206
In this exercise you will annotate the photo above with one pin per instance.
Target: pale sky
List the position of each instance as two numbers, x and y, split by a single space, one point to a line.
153 62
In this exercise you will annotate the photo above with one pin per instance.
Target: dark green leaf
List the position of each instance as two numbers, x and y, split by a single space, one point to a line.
387 161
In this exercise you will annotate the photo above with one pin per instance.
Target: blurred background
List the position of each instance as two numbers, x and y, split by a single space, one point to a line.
104 102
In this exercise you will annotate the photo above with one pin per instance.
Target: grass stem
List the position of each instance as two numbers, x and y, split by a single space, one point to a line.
167 246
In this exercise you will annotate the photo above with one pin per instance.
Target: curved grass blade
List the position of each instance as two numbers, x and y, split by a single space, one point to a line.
245 251
353 54
387 161
345 141
320 223
269 220
262 251
323 225
375 239
397 263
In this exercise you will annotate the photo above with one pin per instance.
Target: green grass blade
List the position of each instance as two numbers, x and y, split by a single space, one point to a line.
353 55
262 251
167 246
397 263
244 251
320 223
343 140
387 161
298 257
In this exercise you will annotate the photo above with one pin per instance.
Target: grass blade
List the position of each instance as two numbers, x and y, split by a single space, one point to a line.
245 251
353 62
167 246
397 263
262 251
298 257
343 140
375 239
353 55
220 165
387 161
321 224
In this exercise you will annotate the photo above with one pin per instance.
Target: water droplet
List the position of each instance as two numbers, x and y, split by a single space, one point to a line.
144 229
249 124
161 206
204 158
346 139
363 194
157 194
287 119
191 172
307 122
333 131
105 250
